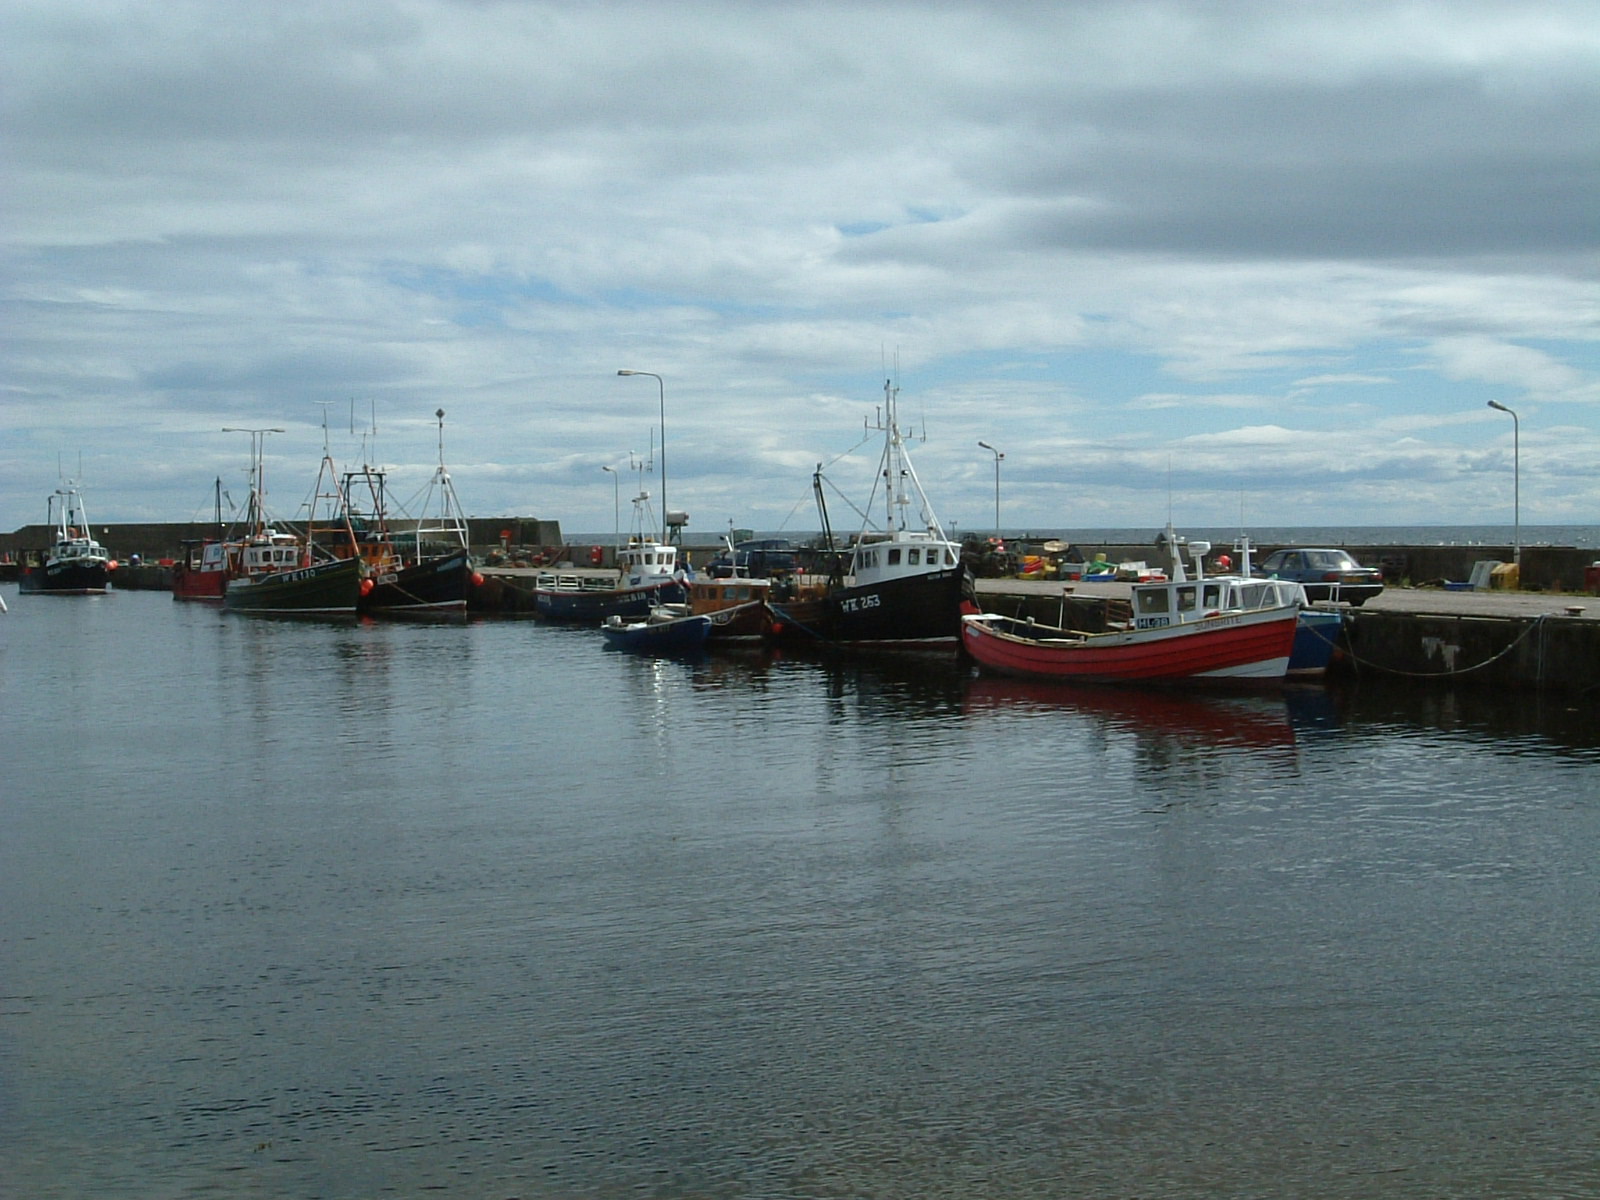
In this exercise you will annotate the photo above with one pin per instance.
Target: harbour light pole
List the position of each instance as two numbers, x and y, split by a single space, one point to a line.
661 390
997 457
1516 482
616 506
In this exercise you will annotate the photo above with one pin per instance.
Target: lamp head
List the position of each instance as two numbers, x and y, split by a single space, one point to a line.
1497 404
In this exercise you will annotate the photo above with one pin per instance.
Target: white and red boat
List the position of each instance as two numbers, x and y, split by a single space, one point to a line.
1183 629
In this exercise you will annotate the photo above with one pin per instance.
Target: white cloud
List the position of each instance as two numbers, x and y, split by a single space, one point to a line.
1088 231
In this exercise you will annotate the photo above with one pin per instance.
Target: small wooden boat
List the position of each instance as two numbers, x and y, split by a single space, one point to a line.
665 631
1182 629
736 602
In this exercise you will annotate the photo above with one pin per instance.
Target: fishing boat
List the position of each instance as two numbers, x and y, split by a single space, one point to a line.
900 584
662 632
204 567
203 570
647 576
424 569
74 564
1185 628
736 606
283 573
734 598
402 573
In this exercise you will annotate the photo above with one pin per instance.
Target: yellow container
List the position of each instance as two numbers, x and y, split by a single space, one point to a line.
1506 577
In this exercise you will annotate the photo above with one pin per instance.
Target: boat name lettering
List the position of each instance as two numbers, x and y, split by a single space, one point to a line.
857 603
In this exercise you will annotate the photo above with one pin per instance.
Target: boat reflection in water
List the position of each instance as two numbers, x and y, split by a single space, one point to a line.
1210 720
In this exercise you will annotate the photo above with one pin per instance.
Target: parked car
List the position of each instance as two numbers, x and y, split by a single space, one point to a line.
761 558
1325 574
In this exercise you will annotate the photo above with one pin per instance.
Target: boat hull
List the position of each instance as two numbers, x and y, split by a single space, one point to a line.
909 611
600 604
433 585
747 622
680 635
188 583
66 579
322 589
1242 647
1316 637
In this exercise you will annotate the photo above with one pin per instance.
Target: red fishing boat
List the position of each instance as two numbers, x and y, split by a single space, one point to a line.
203 571
1221 628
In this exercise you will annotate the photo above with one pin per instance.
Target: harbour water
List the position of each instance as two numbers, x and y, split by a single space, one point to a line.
324 909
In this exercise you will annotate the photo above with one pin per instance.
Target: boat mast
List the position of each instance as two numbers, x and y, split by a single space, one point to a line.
338 504
255 516
898 472
451 519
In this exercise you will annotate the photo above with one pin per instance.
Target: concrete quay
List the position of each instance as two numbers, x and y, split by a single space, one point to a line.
1544 641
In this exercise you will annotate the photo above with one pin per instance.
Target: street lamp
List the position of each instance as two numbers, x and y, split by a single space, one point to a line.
661 389
997 457
1516 482
616 506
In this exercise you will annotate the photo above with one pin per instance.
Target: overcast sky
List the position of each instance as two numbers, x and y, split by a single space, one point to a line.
1247 261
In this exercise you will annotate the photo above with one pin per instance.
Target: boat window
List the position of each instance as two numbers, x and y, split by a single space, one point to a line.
894 557
1186 599
914 558
1211 596
1153 601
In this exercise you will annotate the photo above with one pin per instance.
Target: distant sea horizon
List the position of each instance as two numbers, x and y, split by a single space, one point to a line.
1262 535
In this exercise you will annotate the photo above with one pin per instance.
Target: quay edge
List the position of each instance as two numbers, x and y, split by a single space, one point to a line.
1551 651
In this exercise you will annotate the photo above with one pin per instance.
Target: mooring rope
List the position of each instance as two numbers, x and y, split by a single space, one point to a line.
1536 623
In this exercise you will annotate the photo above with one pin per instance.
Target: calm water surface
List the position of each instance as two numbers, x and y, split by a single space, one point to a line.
351 910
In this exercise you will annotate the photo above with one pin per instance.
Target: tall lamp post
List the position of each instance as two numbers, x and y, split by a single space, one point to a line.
616 506
997 457
661 389
1516 482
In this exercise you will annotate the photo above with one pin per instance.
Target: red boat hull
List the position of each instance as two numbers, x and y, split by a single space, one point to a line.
190 583
1251 647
